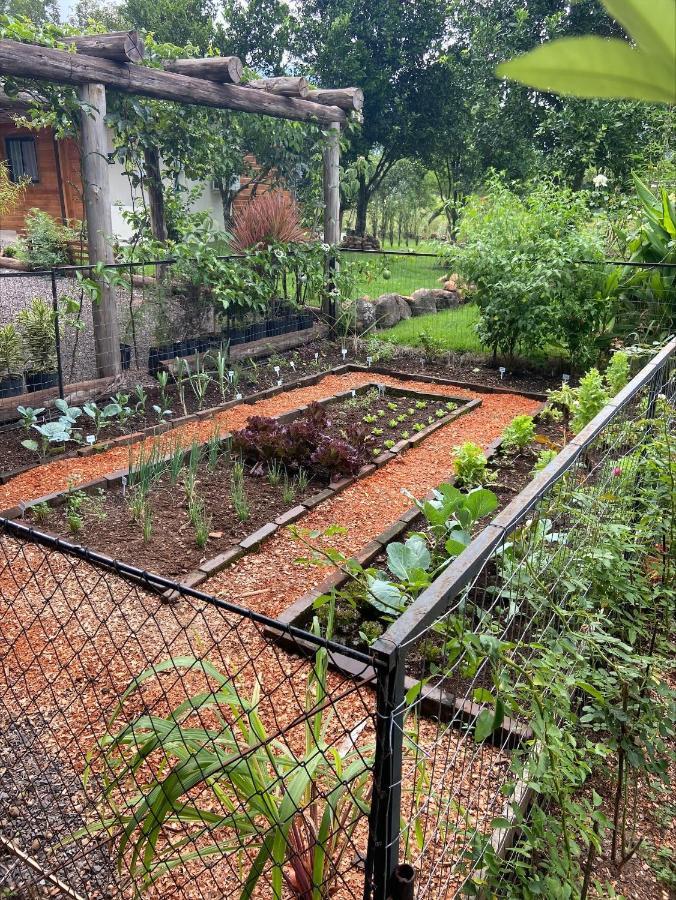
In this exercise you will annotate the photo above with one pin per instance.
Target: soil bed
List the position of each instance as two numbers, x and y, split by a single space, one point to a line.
164 539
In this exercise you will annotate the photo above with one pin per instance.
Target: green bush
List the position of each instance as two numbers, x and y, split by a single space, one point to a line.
11 351
45 243
36 324
520 253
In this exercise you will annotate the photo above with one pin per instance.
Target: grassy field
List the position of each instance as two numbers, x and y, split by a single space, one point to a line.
449 329
406 274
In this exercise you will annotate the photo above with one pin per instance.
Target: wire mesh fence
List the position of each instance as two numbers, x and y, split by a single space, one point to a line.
167 746
503 631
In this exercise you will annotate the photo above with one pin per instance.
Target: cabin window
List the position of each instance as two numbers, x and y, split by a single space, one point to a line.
22 159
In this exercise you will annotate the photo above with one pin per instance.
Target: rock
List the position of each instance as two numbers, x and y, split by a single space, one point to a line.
429 300
390 309
365 314
14 812
35 845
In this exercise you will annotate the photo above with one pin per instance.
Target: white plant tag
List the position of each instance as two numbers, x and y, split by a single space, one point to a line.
369 360
502 371
238 396
344 352
91 438
124 485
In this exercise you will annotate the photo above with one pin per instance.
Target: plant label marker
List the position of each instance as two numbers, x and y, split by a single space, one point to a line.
277 371
238 396
354 393
381 391
502 371
124 485
91 439
231 375
344 352
565 378
293 365
369 360
279 382
316 357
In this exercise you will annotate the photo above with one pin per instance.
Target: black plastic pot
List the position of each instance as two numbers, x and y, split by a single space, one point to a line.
274 327
11 386
291 323
256 331
156 355
202 344
305 320
216 341
125 356
40 381
237 335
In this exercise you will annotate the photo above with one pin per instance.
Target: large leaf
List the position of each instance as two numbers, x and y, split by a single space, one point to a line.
403 559
593 67
480 502
385 596
652 25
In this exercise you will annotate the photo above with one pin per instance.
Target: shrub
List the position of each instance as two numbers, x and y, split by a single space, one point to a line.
269 218
519 253
11 351
10 193
36 324
45 243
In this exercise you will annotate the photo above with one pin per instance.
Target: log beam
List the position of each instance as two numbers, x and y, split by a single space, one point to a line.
350 99
121 46
97 205
224 69
282 86
30 61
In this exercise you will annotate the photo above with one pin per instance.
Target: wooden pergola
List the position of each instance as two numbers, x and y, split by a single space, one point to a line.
96 62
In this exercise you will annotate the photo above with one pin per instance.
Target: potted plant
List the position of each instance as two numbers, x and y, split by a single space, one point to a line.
11 362
37 327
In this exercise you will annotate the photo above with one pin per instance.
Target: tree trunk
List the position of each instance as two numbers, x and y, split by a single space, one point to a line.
362 206
153 179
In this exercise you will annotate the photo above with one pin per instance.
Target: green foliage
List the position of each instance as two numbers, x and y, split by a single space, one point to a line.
617 373
593 67
11 351
518 434
45 243
520 252
36 324
274 784
591 398
470 465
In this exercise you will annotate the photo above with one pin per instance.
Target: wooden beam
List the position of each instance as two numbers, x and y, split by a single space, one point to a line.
282 86
122 46
225 69
332 185
97 204
30 61
350 99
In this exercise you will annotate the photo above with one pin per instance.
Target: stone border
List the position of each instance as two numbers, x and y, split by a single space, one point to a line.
210 567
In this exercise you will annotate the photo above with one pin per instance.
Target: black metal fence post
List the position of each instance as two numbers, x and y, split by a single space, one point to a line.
57 334
384 820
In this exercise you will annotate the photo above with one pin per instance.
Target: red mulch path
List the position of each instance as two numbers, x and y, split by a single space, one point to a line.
72 636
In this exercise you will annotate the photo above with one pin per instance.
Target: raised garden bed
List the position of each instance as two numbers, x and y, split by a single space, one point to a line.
508 474
190 526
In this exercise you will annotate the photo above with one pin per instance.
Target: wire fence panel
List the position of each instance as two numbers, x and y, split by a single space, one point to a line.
462 722
167 747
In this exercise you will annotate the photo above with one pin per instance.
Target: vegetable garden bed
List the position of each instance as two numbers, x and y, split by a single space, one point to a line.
191 512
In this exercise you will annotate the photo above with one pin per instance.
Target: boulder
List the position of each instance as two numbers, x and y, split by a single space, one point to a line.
429 300
390 309
365 314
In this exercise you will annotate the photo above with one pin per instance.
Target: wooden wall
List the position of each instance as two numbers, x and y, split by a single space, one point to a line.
45 194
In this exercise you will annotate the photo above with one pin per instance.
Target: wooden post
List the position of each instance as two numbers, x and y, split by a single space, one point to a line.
97 206
153 178
332 185
331 208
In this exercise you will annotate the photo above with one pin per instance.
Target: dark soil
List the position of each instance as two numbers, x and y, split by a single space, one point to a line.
108 525
251 377
105 522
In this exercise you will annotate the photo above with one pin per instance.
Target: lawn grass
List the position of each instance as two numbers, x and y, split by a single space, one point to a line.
406 274
450 329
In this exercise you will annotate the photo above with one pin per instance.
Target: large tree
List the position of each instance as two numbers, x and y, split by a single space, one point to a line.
391 51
